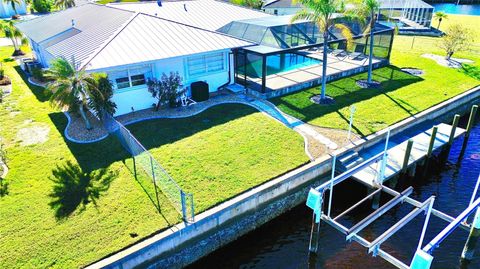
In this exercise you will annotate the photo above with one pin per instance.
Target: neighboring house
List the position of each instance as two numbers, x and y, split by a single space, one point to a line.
132 47
406 14
7 11
281 7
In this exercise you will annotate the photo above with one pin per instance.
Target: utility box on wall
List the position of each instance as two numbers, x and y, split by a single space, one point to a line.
200 91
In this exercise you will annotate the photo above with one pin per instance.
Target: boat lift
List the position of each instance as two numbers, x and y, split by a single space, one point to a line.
423 256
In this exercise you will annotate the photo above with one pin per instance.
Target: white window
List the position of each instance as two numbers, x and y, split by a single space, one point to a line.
131 77
201 65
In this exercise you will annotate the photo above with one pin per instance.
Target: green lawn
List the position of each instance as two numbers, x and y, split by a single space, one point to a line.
401 95
221 152
71 204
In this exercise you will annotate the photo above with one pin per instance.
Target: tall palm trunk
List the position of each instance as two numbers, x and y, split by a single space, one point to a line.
439 21
370 56
81 110
324 63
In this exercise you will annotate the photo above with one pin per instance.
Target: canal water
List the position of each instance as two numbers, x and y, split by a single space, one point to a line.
451 8
283 242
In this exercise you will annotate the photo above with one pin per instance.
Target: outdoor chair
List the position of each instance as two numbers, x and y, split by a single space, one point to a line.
186 101
358 53
340 50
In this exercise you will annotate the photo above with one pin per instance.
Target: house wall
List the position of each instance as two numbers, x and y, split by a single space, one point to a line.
40 54
138 98
281 11
6 10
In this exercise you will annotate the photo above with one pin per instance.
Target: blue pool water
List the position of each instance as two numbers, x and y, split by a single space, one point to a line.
280 63
458 9
283 242
393 24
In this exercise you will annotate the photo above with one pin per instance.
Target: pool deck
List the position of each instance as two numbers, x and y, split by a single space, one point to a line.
304 77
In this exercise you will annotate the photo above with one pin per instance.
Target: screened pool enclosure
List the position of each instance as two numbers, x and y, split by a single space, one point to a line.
288 56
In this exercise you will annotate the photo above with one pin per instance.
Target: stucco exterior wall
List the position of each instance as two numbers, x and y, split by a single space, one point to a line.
137 98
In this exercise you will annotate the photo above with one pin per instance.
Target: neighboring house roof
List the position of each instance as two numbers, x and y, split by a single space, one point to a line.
399 4
206 14
148 38
281 4
92 26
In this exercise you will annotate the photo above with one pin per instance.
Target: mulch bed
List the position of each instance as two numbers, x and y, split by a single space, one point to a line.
317 99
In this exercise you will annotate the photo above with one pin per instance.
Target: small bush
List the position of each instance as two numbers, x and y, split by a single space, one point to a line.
42 6
5 81
37 74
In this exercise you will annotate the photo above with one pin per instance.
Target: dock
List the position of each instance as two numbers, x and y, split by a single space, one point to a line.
396 154
375 167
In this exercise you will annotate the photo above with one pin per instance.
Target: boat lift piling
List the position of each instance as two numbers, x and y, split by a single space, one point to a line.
471 121
400 159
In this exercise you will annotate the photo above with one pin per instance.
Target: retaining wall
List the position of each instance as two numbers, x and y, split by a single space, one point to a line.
184 244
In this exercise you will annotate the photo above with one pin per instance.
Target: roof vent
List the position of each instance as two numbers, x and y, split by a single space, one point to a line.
185 7
159 3
73 23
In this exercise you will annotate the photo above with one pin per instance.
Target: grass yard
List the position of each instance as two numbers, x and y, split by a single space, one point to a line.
69 204
401 95
225 150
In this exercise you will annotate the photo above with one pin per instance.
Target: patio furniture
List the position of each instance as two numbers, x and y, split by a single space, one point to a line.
340 50
359 49
186 101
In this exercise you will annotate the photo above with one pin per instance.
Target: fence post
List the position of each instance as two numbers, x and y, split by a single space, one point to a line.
184 208
154 181
192 207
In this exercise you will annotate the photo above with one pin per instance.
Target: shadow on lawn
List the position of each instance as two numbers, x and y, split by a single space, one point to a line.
346 92
40 93
171 130
74 188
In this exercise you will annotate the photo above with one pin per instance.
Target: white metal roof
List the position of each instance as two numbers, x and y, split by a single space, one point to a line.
93 26
206 14
147 38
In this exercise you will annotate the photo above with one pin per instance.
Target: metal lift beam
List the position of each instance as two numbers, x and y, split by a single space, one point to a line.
375 245
378 213
430 247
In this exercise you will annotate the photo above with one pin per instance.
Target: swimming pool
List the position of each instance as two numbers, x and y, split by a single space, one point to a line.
458 9
393 24
279 63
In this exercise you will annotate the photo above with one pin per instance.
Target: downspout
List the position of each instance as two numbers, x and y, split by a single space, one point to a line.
229 73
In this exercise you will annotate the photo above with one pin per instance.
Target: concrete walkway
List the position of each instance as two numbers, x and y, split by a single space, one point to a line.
4 42
292 122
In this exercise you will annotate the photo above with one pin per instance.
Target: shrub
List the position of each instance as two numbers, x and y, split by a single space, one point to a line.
101 100
42 6
5 81
37 74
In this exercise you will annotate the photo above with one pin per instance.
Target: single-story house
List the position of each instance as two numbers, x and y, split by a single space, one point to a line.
133 46
7 11
203 40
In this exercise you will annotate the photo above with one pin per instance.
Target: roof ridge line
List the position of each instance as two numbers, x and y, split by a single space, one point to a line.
109 40
195 27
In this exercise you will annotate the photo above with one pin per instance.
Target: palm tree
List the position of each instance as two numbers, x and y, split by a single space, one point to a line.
71 87
14 4
64 3
369 9
440 15
10 31
321 12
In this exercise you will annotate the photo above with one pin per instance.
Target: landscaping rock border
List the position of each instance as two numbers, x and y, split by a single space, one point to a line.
413 71
4 170
317 99
76 131
364 84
